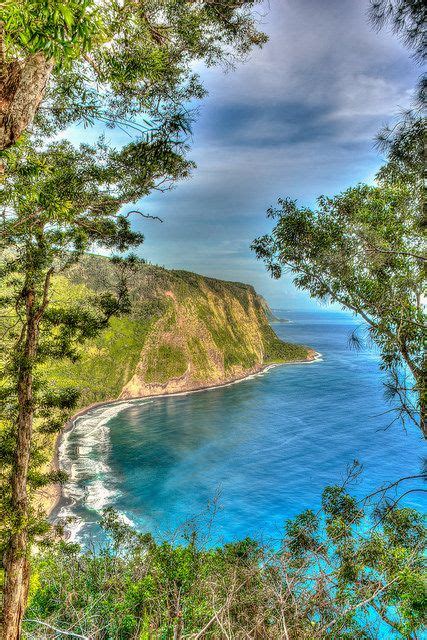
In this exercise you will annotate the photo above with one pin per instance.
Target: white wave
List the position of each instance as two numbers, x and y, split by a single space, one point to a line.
98 495
73 492
73 529
83 454
72 524
125 519
65 512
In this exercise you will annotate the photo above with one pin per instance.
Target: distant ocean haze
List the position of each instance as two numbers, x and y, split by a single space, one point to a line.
242 458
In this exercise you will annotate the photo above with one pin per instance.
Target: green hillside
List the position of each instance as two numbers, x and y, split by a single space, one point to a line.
184 331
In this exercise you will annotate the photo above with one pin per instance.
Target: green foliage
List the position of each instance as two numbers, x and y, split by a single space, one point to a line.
61 29
363 584
62 184
407 18
365 248
126 64
278 351
105 363
57 203
230 340
199 355
165 362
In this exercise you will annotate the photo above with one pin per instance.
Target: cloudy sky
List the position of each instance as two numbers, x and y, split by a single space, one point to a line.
297 119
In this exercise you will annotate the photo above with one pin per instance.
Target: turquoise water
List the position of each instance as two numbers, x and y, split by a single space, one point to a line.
244 457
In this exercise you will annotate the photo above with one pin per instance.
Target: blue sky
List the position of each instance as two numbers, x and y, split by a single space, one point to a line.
298 119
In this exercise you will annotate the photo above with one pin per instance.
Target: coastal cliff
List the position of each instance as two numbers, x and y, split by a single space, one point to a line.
183 331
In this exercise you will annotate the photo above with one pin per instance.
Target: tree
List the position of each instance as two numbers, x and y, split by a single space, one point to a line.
56 204
407 18
363 250
356 572
124 63
119 62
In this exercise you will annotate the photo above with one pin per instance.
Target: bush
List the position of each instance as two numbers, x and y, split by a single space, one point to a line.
343 573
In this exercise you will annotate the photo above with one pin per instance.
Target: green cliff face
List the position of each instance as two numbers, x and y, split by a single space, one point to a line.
184 331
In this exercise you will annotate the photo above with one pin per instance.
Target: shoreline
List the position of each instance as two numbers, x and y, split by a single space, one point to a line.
54 497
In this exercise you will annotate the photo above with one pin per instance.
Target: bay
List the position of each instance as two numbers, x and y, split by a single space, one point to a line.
239 460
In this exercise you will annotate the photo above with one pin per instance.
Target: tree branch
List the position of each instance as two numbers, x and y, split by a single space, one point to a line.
143 215
394 484
45 300
373 249
66 633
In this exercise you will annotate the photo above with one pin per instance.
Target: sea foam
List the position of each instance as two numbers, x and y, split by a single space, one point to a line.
83 454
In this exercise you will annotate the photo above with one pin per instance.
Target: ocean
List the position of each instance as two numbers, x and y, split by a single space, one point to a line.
238 461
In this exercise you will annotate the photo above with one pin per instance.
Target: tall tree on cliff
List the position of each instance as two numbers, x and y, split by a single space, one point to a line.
56 204
112 60
126 64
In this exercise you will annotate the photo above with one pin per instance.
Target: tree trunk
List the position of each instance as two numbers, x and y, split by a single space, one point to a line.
22 87
15 561
422 389
423 414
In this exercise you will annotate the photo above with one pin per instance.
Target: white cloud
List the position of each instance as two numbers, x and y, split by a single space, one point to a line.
297 119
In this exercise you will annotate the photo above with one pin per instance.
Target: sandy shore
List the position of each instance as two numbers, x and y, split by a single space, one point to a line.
51 496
